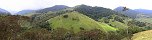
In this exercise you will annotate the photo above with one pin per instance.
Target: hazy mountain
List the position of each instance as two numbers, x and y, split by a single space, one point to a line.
24 12
2 11
145 11
54 8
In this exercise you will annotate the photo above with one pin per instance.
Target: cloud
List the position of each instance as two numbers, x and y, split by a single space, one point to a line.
136 4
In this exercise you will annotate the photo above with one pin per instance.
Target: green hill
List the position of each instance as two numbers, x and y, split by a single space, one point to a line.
76 22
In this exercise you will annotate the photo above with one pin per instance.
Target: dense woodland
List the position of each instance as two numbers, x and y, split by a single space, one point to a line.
81 22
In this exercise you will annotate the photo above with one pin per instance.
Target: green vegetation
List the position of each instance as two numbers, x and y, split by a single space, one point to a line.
94 12
75 21
146 35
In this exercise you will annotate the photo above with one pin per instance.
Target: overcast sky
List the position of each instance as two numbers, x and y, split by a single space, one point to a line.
18 5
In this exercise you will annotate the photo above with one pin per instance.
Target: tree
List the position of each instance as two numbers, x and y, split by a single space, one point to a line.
94 34
35 34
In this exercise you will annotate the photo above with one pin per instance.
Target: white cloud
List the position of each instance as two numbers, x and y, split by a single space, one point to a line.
136 4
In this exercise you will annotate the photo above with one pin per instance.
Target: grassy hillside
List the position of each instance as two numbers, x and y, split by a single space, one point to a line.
146 35
118 25
76 22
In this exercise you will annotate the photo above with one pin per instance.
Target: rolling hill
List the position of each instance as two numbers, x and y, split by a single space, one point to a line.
77 22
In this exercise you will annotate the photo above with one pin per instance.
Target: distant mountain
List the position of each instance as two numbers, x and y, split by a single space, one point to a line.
129 12
145 11
2 11
45 10
23 12
119 8
54 8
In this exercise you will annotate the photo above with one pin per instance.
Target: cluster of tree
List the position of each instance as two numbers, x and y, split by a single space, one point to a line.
95 12
137 23
113 18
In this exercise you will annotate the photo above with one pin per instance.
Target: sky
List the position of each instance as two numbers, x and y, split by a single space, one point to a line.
14 6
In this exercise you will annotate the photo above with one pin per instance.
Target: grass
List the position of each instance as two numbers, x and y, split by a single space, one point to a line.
146 35
107 27
76 22
118 25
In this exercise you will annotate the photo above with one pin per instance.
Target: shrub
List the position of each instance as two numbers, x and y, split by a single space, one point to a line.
65 16
9 27
35 34
62 34
91 35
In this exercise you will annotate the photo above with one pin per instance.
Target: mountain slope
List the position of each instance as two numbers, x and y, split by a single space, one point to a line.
41 11
144 11
94 12
76 22
2 11
54 8
23 12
